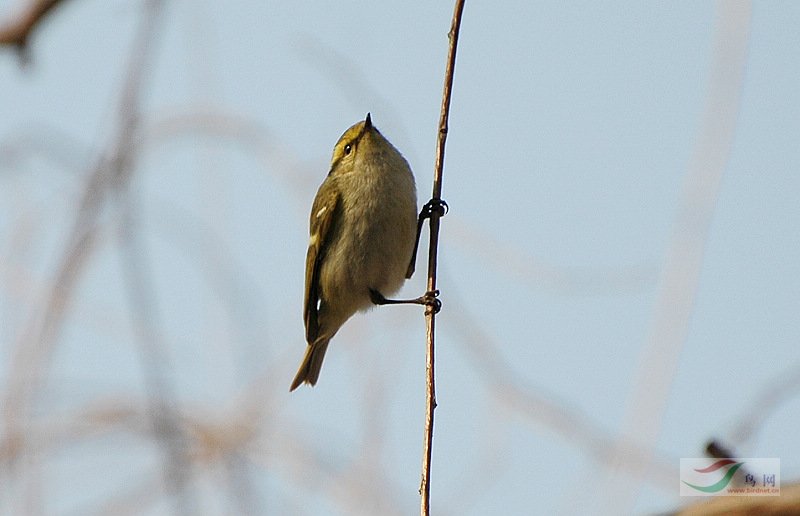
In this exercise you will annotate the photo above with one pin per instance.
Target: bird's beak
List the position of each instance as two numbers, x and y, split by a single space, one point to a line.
368 122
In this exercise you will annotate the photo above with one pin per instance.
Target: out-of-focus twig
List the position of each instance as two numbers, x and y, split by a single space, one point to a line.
350 80
681 270
717 450
17 31
543 408
111 175
162 400
43 141
247 132
531 270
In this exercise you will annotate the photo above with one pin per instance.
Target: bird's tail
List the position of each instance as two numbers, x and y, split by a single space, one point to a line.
312 363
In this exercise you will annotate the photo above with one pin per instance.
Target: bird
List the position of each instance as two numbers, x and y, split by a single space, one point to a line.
363 236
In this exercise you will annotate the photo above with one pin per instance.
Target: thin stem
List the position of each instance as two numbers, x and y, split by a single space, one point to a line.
430 390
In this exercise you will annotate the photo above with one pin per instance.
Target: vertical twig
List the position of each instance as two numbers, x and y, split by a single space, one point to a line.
162 400
680 274
430 391
112 174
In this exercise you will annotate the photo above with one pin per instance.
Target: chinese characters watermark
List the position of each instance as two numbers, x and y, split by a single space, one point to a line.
730 477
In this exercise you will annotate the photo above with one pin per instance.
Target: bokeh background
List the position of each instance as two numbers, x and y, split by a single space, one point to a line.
620 268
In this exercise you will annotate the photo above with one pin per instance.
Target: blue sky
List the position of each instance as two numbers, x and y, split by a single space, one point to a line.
575 136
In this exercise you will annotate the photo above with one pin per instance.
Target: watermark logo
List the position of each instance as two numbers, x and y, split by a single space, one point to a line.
730 477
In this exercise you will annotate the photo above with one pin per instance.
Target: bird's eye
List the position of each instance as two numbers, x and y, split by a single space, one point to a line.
348 149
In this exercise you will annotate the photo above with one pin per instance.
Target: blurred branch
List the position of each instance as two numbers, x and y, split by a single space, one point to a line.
245 131
112 174
130 500
513 262
185 440
210 442
717 450
244 494
351 81
161 398
17 31
43 141
684 257
305 465
544 408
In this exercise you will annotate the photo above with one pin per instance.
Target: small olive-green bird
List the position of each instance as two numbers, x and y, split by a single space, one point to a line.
363 229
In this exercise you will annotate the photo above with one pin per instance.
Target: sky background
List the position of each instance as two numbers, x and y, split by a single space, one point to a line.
620 267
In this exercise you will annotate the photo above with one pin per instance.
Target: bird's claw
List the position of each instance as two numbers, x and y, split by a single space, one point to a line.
431 300
438 206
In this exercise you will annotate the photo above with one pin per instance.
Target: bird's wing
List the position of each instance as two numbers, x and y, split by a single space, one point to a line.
321 226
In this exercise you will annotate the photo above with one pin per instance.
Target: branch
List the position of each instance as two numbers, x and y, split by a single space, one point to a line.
430 391
112 175
16 32
546 409
683 263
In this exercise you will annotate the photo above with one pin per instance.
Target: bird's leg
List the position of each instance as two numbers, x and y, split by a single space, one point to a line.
429 299
431 207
